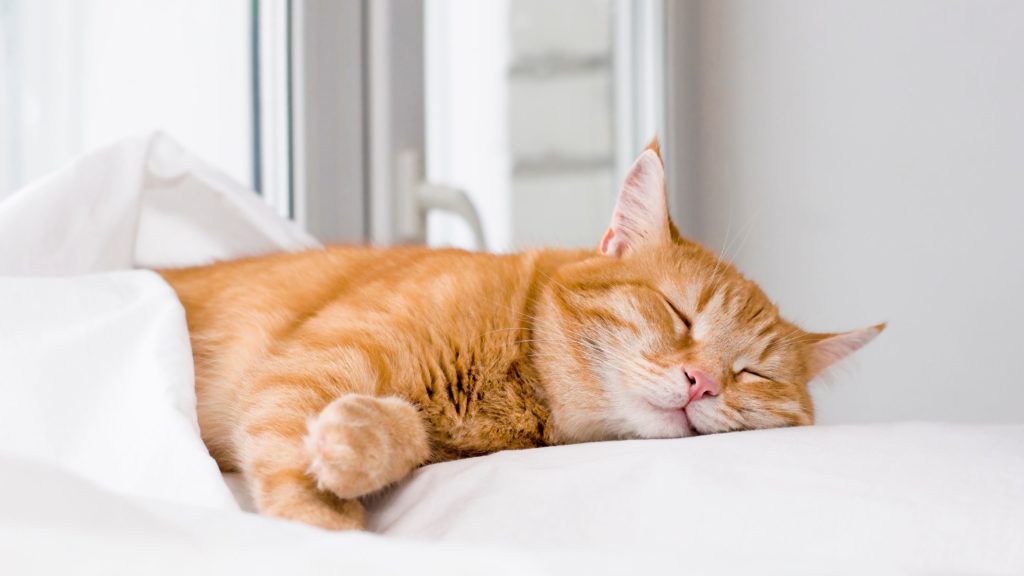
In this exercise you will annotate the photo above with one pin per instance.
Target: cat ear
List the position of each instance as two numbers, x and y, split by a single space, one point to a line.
641 212
831 348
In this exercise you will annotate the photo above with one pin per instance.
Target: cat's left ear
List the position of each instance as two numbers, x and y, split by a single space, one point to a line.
828 349
641 212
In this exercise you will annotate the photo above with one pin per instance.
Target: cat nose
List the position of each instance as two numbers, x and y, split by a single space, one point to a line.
701 384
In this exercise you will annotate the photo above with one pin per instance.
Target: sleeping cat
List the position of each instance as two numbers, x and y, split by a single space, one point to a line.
326 375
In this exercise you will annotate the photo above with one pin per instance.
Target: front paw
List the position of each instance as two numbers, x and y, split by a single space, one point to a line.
360 444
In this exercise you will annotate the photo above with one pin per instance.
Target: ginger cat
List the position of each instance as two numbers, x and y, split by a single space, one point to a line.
327 375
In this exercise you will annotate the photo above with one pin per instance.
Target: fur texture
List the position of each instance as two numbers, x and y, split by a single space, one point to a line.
327 375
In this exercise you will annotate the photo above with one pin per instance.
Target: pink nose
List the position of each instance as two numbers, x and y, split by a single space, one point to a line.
701 384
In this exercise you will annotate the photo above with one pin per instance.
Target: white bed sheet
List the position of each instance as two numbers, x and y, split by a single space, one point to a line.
886 498
912 498
880 499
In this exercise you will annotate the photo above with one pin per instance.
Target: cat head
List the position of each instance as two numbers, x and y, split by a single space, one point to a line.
656 337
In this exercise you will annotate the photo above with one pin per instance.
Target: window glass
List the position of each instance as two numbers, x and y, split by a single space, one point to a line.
535 108
76 74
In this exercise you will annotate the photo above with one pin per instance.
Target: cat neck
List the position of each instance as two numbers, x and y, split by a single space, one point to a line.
559 378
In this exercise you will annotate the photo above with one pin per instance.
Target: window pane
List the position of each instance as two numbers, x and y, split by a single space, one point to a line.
536 108
76 74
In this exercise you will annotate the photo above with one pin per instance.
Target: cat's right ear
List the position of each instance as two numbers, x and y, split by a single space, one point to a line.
641 211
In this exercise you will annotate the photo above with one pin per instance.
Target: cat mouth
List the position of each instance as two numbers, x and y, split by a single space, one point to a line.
677 412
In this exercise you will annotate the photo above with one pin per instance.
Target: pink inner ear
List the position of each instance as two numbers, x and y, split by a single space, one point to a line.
641 212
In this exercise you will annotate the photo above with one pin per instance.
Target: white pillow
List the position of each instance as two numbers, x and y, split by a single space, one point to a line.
96 377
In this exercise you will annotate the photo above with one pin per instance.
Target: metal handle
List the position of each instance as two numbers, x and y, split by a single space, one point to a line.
416 198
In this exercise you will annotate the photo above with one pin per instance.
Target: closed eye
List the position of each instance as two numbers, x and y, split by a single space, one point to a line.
754 374
678 313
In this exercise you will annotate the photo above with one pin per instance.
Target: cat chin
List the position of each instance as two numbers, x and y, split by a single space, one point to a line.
677 424
644 413
652 421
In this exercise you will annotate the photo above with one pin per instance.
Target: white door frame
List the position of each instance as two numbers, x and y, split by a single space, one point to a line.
397 114
357 113
342 98
328 119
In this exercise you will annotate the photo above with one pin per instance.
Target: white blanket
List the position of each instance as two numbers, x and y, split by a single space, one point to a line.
102 470
96 376
141 203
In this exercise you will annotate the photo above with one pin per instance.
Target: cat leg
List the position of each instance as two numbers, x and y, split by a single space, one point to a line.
311 467
314 435
297 498
360 444
274 460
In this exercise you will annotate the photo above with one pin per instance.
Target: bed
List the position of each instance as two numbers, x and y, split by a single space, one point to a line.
103 470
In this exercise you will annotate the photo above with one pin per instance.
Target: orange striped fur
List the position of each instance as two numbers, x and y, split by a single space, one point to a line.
326 375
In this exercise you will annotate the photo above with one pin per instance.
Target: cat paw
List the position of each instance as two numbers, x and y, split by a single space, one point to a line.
360 444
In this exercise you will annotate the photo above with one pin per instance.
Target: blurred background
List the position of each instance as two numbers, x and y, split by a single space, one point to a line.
863 161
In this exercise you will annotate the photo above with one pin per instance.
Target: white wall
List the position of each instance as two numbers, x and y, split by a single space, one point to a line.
872 156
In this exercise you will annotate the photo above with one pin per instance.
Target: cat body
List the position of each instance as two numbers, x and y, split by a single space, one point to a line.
326 375
446 330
